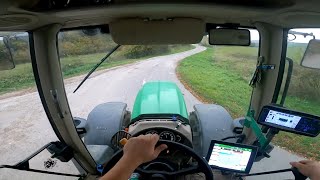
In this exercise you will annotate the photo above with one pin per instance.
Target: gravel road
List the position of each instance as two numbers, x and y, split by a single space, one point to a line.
24 126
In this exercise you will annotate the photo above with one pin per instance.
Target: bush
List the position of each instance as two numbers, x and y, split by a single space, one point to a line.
20 50
76 43
72 43
137 51
305 82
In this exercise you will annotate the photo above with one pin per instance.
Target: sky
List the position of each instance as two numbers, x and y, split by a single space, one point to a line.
299 38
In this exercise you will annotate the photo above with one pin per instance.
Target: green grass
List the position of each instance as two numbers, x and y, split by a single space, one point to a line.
212 79
221 75
22 76
19 78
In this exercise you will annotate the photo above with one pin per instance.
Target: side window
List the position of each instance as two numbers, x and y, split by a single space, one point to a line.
24 126
303 94
304 89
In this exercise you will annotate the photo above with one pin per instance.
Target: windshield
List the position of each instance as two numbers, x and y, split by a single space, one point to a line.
79 53
146 80
303 94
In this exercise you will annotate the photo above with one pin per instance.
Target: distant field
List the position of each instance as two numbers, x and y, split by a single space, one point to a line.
22 76
221 75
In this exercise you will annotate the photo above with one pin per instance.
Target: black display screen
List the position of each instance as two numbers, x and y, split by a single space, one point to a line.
291 121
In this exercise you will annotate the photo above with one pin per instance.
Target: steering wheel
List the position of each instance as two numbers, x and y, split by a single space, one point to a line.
202 165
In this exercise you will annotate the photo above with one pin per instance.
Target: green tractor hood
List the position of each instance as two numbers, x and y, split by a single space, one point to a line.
159 99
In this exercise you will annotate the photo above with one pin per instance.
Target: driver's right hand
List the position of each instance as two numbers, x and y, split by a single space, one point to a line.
308 168
141 149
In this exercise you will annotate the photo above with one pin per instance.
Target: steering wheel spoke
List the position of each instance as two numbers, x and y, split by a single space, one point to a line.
188 170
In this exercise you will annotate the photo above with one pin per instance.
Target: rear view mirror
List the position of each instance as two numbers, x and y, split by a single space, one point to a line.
6 60
222 36
311 58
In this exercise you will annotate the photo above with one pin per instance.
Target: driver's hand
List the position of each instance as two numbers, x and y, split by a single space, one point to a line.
308 168
142 149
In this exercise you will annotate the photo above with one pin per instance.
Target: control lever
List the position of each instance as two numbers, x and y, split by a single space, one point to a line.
297 174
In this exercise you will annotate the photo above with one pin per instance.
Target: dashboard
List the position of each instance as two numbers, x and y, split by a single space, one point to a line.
167 134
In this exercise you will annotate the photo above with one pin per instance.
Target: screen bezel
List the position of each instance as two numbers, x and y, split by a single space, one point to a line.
250 162
283 128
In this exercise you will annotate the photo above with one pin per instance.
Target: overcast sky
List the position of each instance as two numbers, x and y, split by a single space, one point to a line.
299 38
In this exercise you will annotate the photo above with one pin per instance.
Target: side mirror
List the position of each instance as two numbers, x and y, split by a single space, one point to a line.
6 60
222 36
311 57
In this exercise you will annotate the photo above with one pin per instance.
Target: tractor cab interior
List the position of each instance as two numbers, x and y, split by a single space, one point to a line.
249 95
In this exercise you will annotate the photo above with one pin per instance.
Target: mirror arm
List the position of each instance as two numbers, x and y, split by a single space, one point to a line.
41 171
59 151
210 26
302 34
24 164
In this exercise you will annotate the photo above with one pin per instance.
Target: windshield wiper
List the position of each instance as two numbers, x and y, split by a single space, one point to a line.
96 66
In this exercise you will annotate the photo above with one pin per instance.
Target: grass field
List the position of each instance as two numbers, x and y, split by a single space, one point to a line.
221 74
22 77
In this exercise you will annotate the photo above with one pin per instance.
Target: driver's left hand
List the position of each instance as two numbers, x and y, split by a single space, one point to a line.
141 149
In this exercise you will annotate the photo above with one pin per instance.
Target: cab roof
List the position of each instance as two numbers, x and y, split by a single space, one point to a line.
25 15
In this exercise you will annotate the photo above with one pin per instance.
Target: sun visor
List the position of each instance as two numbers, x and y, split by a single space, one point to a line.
143 32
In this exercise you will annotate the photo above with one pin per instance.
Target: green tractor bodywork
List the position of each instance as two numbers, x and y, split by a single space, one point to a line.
159 98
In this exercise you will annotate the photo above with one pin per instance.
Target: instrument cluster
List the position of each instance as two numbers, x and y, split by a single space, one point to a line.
166 135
